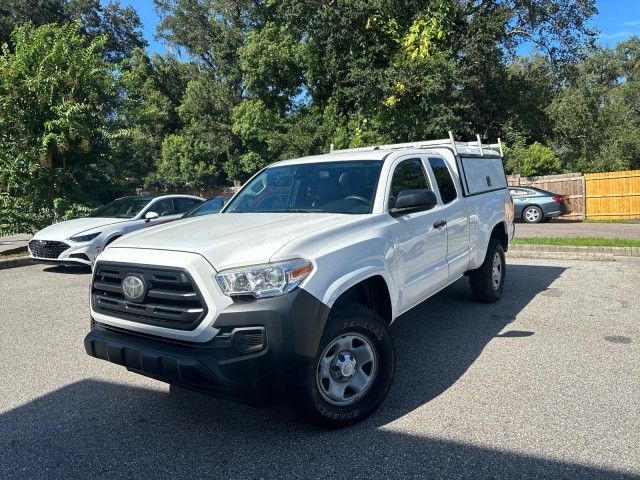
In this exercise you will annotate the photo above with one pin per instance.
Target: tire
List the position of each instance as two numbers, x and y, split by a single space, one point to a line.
330 398
532 214
485 286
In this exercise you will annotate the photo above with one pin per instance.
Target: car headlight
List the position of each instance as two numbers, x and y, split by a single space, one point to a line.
85 238
261 281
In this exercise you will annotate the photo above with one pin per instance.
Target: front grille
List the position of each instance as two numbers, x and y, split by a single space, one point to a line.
46 248
172 299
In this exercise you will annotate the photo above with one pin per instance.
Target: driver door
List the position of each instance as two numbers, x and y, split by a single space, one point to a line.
419 238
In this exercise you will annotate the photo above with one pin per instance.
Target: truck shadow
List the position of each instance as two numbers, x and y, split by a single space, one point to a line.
96 429
437 341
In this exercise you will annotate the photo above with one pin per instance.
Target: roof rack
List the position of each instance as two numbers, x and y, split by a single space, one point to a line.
446 142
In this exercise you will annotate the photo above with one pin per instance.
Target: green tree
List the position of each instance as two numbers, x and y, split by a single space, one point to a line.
595 115
535 159
195 155
120 25
56 102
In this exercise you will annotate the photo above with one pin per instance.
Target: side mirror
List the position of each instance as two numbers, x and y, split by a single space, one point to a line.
413 200
151 216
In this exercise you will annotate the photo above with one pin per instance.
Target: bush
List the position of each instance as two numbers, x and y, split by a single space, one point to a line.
536 159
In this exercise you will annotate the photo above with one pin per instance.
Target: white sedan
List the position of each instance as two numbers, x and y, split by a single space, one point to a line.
78 241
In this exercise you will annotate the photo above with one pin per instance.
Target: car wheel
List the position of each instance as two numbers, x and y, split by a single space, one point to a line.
352 371
487 282
532 214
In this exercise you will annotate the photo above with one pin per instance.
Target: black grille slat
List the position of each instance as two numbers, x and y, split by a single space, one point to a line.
108 287
47 248
171 295
172 299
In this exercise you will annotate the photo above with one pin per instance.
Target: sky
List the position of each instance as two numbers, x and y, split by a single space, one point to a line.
616 20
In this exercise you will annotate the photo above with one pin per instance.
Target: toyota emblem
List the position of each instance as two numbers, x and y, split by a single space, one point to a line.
133 288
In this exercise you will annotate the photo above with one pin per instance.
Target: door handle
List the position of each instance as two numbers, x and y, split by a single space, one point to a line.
439 224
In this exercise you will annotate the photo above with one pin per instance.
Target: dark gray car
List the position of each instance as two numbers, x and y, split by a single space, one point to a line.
534 205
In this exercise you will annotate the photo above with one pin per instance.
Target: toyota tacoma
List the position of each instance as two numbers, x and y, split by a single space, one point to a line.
289 292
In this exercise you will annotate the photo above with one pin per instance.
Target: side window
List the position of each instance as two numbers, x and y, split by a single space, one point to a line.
183 205
408 175
443 179
163 207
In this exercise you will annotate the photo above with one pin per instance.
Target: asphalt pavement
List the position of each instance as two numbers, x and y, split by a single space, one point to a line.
543 384
574 229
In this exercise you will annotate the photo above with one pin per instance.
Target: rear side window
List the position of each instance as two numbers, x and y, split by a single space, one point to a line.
163 207
443 179
408 175
184 205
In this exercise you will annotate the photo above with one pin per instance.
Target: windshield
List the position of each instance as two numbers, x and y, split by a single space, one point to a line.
329 187
127 207
213 205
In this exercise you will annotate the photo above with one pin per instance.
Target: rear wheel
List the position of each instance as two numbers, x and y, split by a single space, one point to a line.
487 282
353 370
532 214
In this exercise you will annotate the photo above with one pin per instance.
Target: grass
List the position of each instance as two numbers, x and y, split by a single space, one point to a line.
577 241
609 220
14 253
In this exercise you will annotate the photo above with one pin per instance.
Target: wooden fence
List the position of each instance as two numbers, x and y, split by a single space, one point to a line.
571 185
604 196
613 195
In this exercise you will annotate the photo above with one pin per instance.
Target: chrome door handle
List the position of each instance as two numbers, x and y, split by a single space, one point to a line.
440 224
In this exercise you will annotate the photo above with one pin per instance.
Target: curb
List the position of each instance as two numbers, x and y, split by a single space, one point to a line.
603 257
15 262
612 251
615 251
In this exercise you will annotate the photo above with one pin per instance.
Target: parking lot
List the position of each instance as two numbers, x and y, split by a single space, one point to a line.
543 384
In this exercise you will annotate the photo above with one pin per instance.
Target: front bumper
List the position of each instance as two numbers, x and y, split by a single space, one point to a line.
58 261
292 326
76 254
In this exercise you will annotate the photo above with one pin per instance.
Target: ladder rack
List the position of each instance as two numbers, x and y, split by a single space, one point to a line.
446 142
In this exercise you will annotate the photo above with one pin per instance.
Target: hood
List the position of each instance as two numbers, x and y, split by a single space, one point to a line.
232 239
69 228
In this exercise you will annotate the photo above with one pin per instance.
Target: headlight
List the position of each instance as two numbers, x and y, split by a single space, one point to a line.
269 280
85 238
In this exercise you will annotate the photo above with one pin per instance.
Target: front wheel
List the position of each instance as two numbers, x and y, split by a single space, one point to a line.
352 372
487 282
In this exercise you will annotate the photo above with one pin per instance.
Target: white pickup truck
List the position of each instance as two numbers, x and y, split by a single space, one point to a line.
289 292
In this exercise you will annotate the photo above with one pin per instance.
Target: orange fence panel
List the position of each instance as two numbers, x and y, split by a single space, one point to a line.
613 195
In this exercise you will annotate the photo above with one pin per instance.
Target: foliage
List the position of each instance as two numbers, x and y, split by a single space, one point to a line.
535 159
56 97
119 25
595 115
86 114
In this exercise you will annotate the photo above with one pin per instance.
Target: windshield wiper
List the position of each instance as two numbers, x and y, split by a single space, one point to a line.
300 210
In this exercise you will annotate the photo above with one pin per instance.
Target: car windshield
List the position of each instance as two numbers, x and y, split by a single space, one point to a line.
328 187
213 205
127 207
